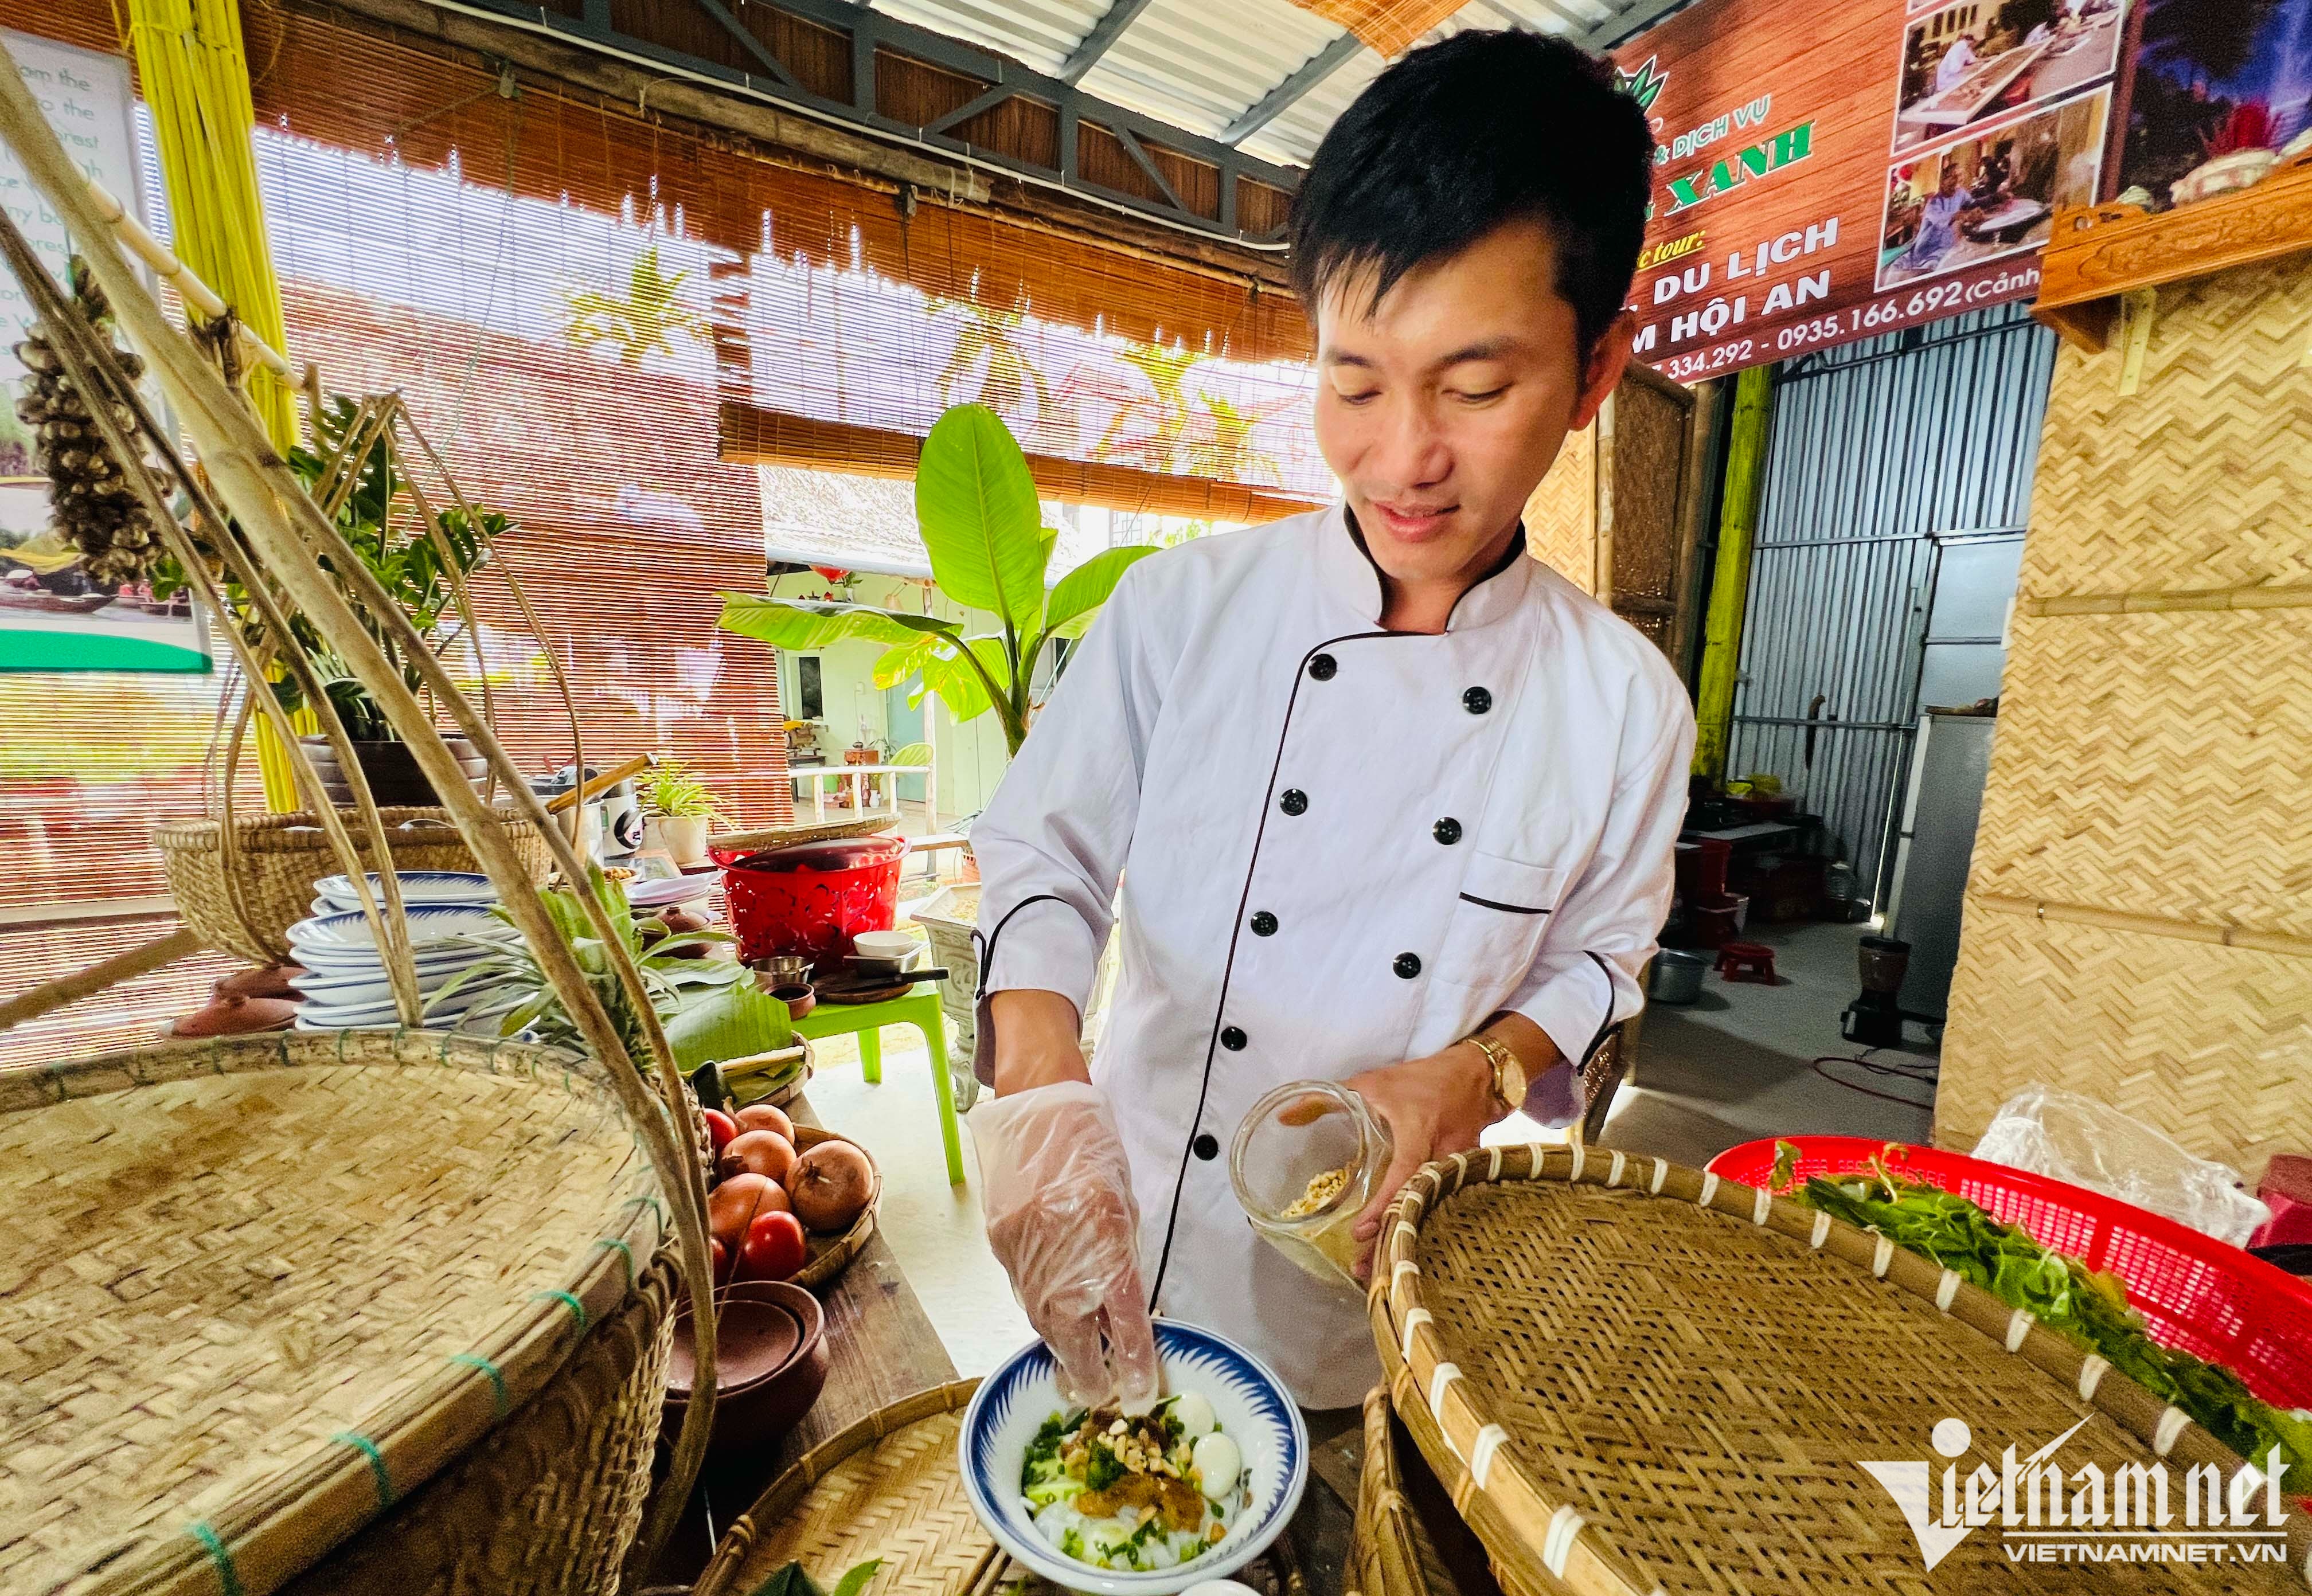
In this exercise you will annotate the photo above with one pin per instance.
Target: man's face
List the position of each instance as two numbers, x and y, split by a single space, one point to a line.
1440 411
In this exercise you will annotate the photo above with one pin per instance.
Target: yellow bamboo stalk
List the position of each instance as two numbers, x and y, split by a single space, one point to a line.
195 73
1729 586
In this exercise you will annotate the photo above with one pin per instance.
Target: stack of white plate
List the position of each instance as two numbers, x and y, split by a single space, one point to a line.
345 987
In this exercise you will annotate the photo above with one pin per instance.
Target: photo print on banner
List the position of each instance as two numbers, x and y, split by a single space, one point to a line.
1822 175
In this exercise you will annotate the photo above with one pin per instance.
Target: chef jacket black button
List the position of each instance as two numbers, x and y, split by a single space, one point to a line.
1263 924
1447 830
1323 666
1477 701
1293 802
1407 965
1232 1039
1206 1147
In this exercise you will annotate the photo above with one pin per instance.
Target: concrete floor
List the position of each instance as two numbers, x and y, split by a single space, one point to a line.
1738 1065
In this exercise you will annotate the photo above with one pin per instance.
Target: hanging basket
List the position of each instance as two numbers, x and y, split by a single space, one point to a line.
245 904
1634 1378
261 1291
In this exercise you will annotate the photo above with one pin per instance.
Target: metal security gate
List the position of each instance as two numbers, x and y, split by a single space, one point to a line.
1885 456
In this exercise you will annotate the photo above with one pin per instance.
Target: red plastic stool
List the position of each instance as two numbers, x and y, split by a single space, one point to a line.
1747 961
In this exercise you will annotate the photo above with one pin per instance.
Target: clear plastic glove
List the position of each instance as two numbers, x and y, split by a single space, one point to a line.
1057 1192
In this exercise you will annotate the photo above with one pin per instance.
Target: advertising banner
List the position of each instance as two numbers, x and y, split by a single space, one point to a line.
1828 173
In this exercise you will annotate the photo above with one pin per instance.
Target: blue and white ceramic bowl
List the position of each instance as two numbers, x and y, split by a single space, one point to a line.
1248 1400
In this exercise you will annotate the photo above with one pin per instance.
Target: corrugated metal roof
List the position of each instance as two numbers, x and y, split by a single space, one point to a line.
1196 65
1199 64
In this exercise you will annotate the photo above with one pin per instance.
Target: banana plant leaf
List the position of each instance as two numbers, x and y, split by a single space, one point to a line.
1077 597
735 1020
815 623
976 504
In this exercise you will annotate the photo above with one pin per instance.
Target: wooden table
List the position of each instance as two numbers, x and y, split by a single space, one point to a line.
882 1346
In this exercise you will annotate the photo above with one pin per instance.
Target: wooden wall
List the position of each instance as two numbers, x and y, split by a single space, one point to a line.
2139 918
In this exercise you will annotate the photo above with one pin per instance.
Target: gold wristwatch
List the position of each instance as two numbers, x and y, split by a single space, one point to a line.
1508 1075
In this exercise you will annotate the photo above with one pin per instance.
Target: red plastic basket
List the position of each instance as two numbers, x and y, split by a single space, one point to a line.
2196 1294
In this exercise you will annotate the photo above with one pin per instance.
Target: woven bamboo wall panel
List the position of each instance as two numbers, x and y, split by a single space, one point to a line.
2156 765
2156 762
2200 479
1649 440
2210 1044
1561 519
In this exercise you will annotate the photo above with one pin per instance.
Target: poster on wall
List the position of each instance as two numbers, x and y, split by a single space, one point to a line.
1823 174
2221 91
52 616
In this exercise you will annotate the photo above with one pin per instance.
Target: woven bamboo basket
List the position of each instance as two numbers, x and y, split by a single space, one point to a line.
244 903
261 1290
1635 1378
891 1486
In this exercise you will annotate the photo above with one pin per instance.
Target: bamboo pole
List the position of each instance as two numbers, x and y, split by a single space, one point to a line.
282 526
181 277
1730 585
2149 925
56 994
2297 597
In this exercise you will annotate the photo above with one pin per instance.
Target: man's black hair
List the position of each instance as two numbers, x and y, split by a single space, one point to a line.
1468 134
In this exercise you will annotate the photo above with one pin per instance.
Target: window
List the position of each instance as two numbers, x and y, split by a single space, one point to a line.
811 700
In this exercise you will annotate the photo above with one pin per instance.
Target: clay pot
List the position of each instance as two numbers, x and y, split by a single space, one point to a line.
395 781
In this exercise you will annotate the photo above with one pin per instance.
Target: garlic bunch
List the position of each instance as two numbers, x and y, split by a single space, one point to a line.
91 496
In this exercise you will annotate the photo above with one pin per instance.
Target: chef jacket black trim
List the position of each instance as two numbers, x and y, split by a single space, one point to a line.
1606 1026
987 942
1504 908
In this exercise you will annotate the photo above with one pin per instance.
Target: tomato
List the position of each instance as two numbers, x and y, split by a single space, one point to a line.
720 1127
720 1255
775 1248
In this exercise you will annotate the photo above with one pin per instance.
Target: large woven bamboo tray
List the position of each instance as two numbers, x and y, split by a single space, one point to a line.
258 1291
891 1486
1635 1378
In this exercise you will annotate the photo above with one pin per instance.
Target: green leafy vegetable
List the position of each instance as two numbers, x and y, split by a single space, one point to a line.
2067 1297
1072 1545
791 1580
1104 1467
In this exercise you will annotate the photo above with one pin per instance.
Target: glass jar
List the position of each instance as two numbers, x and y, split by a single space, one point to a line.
1304 1163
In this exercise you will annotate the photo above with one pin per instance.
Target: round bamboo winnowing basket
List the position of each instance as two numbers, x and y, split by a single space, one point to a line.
245 903
1384 1552
1634 1378
260 1291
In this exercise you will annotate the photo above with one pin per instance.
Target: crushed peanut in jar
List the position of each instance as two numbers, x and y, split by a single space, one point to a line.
1322 1188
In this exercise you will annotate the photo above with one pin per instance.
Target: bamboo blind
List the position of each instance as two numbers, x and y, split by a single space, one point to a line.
1388 26
2137 926
769 438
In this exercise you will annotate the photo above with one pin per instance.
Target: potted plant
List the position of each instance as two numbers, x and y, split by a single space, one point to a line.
975 506
424 574
677 808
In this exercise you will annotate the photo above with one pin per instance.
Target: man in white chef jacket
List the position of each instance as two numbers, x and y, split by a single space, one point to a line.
1392 802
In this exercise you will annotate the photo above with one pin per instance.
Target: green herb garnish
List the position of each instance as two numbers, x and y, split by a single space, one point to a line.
2067 1297
1103 1469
